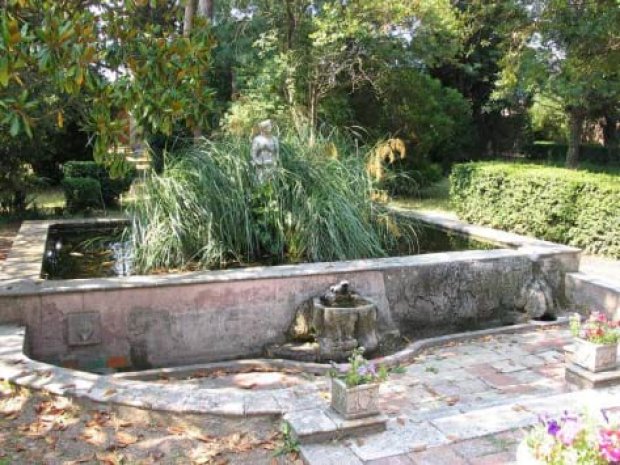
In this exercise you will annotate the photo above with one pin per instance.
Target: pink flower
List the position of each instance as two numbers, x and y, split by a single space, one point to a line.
569 431
609 444
600 317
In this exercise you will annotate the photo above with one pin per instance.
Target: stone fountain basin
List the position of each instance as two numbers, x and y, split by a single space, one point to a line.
142 322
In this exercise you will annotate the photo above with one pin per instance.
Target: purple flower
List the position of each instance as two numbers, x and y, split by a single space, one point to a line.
363 370
553 428
569 432
372 369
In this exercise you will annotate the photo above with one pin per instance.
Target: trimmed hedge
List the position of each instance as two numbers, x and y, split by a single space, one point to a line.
82 194
578 208
111 188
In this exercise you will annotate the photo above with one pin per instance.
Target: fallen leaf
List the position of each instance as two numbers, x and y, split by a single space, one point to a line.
125 439
176 430
109 459
83 459
109 392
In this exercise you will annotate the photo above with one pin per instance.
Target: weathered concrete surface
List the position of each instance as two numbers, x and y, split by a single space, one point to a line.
167 320
594 293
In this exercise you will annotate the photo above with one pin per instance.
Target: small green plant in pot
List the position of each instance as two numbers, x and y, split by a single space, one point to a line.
596 342
355 386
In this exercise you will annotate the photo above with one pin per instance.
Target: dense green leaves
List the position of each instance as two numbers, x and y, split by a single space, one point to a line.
111 57
576 208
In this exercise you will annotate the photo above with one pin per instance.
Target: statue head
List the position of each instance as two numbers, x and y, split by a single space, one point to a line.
265 127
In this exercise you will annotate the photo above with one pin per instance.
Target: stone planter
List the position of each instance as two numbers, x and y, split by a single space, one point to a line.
595 357
525 456
355 402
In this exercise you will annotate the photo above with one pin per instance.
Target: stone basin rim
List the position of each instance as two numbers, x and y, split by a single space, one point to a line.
21 273
123 389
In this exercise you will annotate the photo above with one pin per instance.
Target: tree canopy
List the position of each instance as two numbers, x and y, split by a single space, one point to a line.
442 74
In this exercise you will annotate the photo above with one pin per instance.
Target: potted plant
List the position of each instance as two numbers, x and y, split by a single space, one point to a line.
596 342
570 439
355 386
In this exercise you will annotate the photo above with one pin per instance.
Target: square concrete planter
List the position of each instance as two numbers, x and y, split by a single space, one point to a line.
355 402
595 357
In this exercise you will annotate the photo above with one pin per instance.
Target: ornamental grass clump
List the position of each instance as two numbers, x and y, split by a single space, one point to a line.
574 439
359 371
207 209
597 329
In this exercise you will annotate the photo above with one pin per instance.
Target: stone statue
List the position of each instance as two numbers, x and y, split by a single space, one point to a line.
265 151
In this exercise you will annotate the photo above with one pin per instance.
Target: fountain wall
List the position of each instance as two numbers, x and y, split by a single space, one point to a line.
165 320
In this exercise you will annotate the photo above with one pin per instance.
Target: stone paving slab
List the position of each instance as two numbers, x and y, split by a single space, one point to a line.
328 455
320 425
586 379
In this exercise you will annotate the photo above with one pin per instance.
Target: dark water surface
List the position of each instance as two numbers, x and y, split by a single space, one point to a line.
93 251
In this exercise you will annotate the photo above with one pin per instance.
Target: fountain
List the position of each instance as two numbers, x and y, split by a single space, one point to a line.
331 326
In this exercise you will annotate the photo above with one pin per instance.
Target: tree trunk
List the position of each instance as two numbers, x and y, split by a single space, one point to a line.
291 26
188 18
576 118
205 9
610 136
188 24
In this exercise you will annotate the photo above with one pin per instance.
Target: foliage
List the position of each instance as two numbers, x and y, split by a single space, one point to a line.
574 439
549 120
418 107
554 152
597 328
568 52
207 210
577 208
111 187
485 35
113 56
290 444
359 370
16 179
82 194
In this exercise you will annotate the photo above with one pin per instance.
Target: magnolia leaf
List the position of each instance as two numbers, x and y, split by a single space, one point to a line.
14 130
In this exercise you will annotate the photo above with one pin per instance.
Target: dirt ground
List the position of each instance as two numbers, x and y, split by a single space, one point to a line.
7 234
39 428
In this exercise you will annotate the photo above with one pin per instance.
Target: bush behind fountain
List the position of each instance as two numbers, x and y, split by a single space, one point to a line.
207 210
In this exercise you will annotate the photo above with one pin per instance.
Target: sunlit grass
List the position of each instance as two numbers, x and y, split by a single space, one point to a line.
433 198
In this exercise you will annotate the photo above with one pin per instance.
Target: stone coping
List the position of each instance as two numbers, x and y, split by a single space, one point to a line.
21 274
603 282
487 234
125 389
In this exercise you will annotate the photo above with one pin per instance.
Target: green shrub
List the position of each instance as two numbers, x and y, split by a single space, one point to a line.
82 194
578 208
111 187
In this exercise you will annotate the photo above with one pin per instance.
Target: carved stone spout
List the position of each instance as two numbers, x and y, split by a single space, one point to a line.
338 322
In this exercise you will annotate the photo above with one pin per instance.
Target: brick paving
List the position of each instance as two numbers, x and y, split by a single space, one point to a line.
468 403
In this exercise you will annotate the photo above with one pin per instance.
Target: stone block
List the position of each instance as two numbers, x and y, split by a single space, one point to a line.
586 379
319 425
83 329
